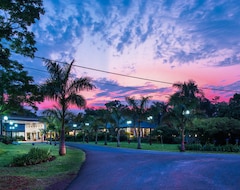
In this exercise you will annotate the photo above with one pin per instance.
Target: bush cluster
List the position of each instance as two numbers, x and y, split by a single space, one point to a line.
34 156
7 140
212 147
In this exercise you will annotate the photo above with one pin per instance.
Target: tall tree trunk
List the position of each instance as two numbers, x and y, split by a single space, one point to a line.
118 138
50 137
1 125
183 140
83 137
150 136
139 136
1 108
55 138
62 146
96 137
105 140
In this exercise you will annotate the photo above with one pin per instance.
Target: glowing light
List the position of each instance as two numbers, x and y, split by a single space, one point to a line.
129 122
5 118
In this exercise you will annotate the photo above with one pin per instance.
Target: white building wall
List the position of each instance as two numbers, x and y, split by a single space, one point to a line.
33 130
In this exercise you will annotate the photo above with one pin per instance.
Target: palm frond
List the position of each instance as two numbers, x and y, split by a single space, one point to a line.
66 72
79 84
76 99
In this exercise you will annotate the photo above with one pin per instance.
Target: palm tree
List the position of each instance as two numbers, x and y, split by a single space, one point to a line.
158 110
116 109
94 120
53 120
185 100
188 94
63 88
139 110
78 120
105 119
44 132
96 125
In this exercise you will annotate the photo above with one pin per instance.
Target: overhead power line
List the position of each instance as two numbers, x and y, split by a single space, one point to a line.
123 75
108 72
129 76
134 77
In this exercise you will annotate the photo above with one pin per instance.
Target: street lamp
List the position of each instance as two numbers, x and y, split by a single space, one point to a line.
129 123
12 127
185 113
149 118
84 135
74 126
5 118
3 125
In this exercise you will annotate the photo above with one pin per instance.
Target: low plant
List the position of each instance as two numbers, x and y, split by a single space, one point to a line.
213 148
7 140
209 147
230 148
197 147
34 156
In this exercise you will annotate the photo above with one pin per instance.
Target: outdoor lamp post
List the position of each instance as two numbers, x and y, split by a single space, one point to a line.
74 132
86 124
150 118
12 127
15 126
185 114
5 119
129 123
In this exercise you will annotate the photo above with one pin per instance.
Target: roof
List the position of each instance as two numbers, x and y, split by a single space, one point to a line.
143 124
19 118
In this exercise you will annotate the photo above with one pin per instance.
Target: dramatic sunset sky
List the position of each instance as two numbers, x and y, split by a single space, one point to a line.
159 41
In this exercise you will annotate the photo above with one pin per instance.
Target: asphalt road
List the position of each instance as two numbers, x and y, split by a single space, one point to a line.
109 168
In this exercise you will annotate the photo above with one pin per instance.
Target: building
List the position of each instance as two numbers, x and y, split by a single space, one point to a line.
145 127
28 128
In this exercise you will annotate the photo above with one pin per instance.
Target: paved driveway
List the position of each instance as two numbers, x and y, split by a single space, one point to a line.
109 168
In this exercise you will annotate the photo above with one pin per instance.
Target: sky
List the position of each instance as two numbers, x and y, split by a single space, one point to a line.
141 47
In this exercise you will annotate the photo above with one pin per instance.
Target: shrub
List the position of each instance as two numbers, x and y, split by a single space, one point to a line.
20 138
209 147
235 148
7 140
68 138
219 148
230 148
34 156
212 147
197 147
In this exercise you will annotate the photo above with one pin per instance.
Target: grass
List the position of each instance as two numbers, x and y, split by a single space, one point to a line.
63 169
145 146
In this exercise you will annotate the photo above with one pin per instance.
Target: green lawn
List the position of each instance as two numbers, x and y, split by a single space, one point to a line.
38 176
145 146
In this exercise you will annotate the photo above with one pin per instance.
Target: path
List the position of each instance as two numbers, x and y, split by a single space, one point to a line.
109 168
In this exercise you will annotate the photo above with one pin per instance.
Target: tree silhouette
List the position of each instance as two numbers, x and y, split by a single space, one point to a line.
64 89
